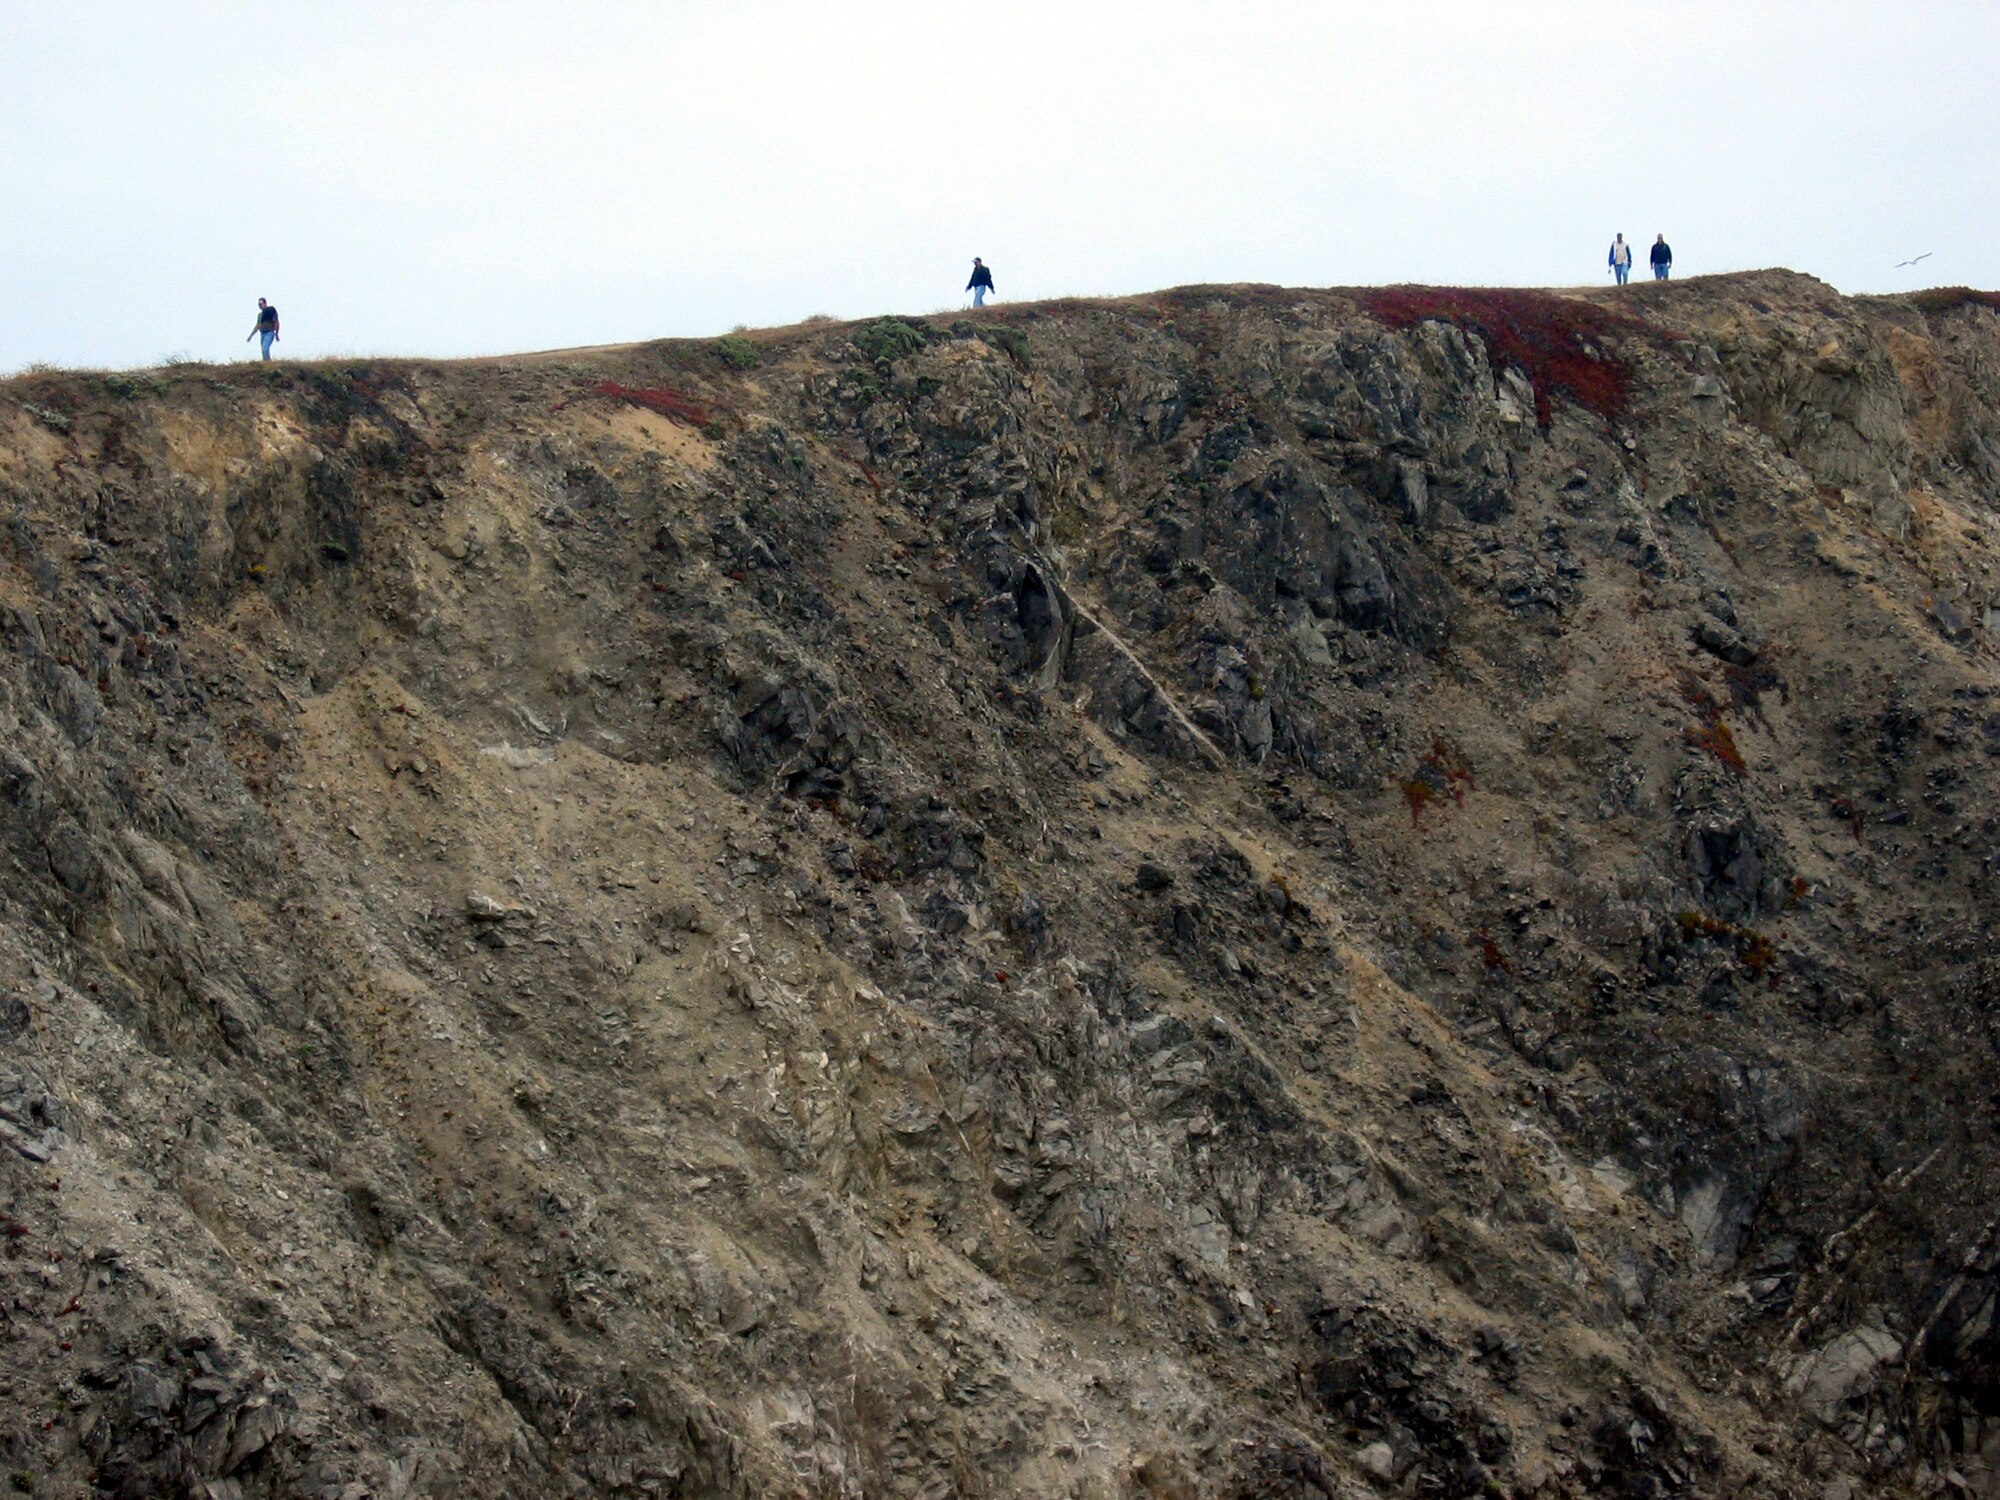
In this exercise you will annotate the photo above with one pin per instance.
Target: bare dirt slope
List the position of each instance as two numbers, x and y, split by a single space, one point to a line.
1244 892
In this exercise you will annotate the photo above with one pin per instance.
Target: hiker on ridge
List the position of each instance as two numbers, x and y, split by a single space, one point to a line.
981 283
1663 257
1621 258
267 325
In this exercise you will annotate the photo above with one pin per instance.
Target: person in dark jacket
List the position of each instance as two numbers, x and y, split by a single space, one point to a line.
1621 258
267 326
1663 257
981 283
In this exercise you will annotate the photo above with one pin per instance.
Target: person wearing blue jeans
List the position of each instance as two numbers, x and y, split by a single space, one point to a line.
267 326
981 283
1621 258
1663 258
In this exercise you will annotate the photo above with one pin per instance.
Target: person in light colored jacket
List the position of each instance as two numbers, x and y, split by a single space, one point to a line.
1621 258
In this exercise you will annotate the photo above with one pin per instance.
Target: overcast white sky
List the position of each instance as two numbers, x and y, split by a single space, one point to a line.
445 177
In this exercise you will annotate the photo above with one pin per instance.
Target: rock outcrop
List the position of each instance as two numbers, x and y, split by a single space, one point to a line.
1243 892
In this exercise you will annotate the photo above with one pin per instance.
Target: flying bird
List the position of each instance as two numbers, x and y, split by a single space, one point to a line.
1902 263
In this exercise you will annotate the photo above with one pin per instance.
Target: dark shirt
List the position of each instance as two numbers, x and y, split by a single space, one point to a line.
981 276
1662 256
267 318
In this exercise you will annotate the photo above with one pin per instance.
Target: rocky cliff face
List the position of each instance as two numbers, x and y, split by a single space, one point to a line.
1235 893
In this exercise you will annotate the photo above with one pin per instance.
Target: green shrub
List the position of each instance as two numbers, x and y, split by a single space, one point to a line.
737 352
1944 299
887 340
1013 342
125 387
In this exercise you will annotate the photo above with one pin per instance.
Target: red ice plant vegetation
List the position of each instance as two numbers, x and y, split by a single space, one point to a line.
1717 740
1747 686
1753 950
1557 342
1845 808
1713 733
665 400
1439 771
1490 952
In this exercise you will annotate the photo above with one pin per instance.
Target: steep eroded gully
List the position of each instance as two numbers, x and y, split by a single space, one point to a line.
1239 892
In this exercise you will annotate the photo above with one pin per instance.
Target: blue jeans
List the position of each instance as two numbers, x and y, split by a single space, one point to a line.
1622 272
264 337
1660 269
979 296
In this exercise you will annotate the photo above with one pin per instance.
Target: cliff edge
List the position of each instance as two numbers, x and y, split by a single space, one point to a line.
1240 892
